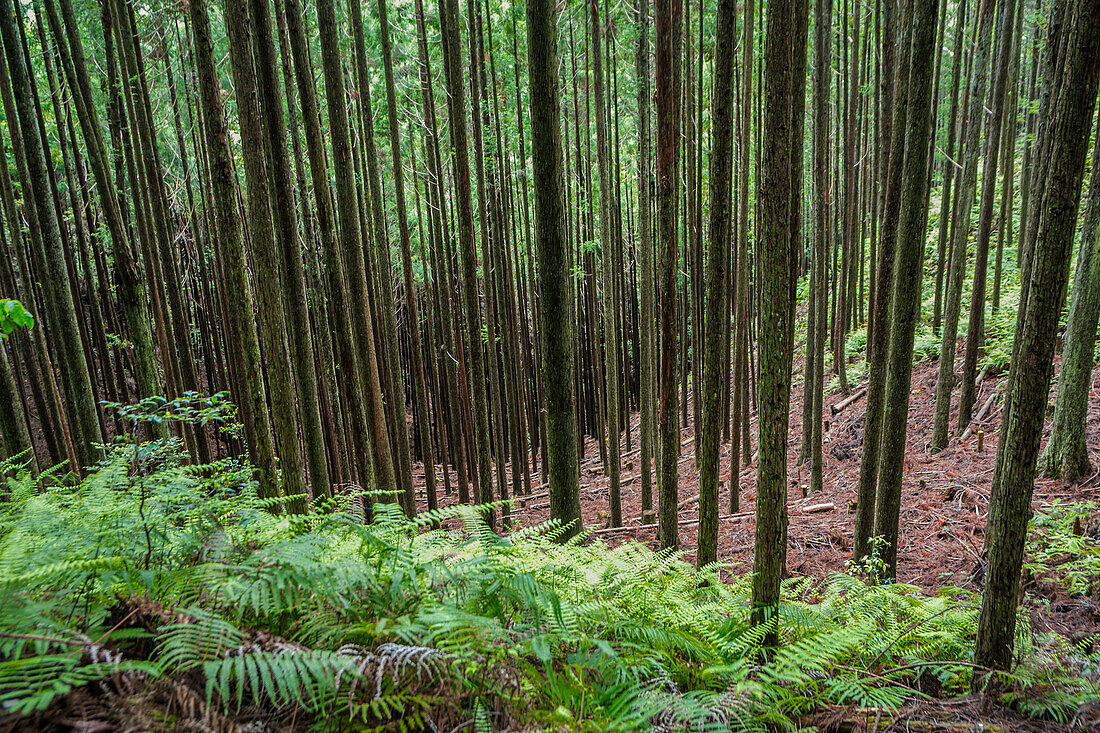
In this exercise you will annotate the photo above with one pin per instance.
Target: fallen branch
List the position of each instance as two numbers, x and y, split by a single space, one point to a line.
980 416
847 400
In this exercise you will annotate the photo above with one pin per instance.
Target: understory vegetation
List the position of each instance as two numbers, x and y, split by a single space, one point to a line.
170 597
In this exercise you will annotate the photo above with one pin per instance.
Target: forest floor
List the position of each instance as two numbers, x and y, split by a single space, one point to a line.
945 499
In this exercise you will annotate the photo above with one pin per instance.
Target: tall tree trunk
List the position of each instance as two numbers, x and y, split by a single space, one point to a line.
555 288
975 329
244 341
878 343
908 269
814 385
359 313
1066 455
60 308
272 326
413 317
289 253
716 316
647 367
456 113
787 20
949 171
956 270
669 21
388 356
610 269
739 337
1059 197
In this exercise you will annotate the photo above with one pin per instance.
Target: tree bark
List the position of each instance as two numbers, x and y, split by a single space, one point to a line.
554 284
786 20
668 20
716 315
1013 478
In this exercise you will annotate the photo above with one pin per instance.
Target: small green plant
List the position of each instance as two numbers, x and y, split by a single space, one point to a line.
870 566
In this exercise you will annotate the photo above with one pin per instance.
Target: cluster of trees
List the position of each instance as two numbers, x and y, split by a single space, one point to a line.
520 247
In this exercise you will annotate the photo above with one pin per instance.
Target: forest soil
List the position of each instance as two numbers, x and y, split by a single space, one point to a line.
945 500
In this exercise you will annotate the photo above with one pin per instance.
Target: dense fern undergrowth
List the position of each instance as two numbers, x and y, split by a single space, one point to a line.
163 596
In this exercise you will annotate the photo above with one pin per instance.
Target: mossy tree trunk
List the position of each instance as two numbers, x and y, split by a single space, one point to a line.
1059 197
920 38
554 285
716 319
786 21
1066 454
668 16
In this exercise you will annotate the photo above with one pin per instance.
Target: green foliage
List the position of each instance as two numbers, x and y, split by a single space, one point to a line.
153 572
1058 539
872 566
192 408
12 316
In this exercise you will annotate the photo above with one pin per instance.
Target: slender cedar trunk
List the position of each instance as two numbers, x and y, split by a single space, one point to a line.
975 328
554 286
647 391
129 163
668 20
244 343
1066 455
878 343
47 401
490 223
610 266
456 113
814 384
341 311
388 355
739 336
60 308
1009 124
798 127
1013 477
323 353
376 443
716 316
413 316
177 318
96 328
89 343
536 416
964 203
1053 61
786 21
36 258
908 270
284 213
506 270
849 301
949 171
272 326
690 336
1026 169
454 359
